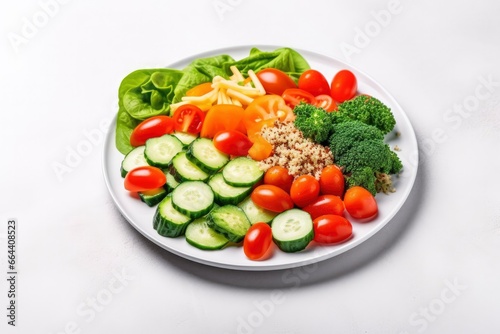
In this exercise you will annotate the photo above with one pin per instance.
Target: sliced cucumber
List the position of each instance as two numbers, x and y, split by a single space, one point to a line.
225 193
202 236
135 158
193 198
203 154
255 213
185 138
154 196
242 172
172 183
160 151
184 170
292 230
169 222
230 221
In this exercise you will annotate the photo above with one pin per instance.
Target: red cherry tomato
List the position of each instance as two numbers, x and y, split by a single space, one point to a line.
232 142
155 126
144 178
325 205
304 190
188 118
360 203
314 82
332 181
275 81
271 198
294 96
344 86
278 176
257 241
331 229
326 102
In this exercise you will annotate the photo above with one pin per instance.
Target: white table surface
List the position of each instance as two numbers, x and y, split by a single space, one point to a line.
83 269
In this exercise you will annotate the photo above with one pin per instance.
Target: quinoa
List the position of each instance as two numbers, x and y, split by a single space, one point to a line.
293 151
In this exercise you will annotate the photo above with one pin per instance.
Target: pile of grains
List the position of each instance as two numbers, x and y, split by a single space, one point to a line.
294 152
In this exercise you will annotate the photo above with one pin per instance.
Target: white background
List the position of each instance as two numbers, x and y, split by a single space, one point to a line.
83 269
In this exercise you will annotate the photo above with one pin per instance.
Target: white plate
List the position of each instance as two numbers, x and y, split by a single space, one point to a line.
140 215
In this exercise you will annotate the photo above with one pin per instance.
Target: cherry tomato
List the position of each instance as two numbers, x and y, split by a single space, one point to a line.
155 126
271 198
332 181
275 81
331 229
278 176
144 178
344 86
200 89
294 96
360 203
304 190
314 82
232 142
257 242
326 102
188 118
325 205
265 110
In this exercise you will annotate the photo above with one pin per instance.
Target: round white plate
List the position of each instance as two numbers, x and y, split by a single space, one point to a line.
140 215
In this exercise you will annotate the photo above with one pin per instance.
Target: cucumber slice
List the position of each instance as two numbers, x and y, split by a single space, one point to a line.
230 221
160 151
172 183
225 193
200 235
135 158
169 222
256 214
292 230
153 197
184 170
242 172
203 154
193 198
185 138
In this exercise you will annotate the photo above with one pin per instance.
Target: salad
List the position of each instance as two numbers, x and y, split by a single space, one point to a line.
255 152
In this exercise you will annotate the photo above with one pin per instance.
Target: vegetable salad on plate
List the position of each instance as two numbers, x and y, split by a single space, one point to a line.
263 153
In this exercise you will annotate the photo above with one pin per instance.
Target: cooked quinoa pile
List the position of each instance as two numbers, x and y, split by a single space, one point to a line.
291 150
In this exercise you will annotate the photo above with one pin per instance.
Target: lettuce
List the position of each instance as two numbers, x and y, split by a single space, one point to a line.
149 92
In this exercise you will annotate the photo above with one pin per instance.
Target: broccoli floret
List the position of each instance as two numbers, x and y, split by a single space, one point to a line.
364 177
370 153
368 110
348 134
315 123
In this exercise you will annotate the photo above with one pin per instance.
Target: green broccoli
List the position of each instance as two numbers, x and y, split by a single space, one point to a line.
315 123
368 110
349 134
366 159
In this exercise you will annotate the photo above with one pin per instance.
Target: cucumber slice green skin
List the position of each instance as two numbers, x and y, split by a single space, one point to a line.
203 154
153 197
133 159
242 172
160 151
171 183
230 221
200 235
185 138
292 230
184 170
167 221
256 214
193 198
225 193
